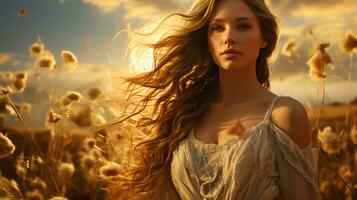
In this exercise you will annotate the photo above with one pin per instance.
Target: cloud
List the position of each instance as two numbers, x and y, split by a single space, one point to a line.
155 9
105 6
307 11
312 8
141 9
5 57
303 88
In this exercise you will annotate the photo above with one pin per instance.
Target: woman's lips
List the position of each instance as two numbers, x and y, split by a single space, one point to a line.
230 52
230 55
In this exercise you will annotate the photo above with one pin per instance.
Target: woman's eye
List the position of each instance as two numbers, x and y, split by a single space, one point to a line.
216 28
243 26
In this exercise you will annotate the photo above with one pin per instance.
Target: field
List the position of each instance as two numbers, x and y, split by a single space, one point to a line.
53 106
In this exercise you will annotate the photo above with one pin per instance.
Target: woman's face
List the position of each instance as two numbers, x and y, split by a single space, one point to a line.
234 36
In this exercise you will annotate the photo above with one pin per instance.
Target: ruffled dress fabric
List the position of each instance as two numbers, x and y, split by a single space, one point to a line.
263 163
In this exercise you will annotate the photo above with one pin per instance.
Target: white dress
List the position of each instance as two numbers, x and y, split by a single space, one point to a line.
263 163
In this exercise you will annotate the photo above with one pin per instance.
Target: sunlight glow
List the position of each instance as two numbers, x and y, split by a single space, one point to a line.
142 61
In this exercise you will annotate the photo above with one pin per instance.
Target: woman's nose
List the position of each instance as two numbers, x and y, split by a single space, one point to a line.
229 41
229 37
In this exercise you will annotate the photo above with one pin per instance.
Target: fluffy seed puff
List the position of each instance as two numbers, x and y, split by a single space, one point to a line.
17 81
34 195
94 93
69 59
73 96
290 48
9 189
21 75
8 76
52 117
81 115
330 142
6 146
18 85
38 183
109 171
69 98
37 49
319 60
349 43
87 162
89 143
5 90
22 13
65 172
46 61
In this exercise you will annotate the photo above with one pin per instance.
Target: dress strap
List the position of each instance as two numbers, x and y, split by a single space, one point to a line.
270 109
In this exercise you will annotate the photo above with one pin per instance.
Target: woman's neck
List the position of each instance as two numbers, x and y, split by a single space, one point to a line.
239 85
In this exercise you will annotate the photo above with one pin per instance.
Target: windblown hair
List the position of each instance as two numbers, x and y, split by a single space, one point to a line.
184 80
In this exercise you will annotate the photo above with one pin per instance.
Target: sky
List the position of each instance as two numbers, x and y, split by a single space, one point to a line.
89 29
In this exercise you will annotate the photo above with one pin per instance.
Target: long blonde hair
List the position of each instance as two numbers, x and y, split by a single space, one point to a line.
182 83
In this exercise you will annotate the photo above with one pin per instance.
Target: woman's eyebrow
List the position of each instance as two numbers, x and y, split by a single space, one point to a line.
236 19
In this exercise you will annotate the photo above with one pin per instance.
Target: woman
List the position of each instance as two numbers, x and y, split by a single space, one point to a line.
216 131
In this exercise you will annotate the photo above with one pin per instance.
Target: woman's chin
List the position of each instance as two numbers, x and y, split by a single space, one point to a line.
231 67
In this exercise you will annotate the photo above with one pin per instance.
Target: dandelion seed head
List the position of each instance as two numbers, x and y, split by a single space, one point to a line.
7 148
46 61
21 171
81 116
39 183
73 96
22 13
21 75
37 49
89 143
88 162
109 170
65 171
7 75
330 142
52 117
18 85
94 93
69 58
5 90
322 46
346 173
65 101
349 43
319 60
34 195
9 189
290 48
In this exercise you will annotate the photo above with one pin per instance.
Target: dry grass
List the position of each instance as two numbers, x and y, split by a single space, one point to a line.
72 157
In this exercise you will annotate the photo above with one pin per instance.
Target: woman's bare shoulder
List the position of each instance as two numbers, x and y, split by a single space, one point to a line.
291 117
